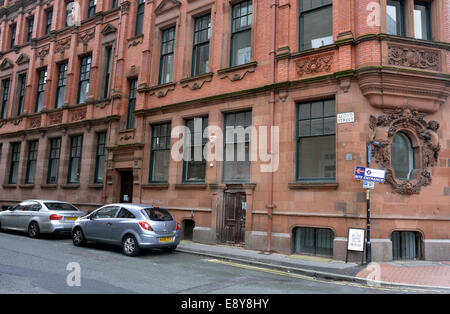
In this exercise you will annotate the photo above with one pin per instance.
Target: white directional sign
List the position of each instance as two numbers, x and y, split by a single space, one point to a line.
369 174
355 241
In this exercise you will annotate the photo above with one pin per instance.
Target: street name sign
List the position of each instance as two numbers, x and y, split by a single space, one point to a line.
369 174
346 117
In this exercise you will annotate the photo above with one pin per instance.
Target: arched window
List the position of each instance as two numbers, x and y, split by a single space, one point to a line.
402 156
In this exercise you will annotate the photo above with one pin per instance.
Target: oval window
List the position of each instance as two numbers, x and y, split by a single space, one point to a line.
402 156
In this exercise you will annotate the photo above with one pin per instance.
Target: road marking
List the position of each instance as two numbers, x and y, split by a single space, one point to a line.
309 278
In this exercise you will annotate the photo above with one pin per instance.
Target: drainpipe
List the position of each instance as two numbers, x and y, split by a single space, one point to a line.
270 204
112 106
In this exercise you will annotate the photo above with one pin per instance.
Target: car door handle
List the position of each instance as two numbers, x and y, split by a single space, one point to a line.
109 224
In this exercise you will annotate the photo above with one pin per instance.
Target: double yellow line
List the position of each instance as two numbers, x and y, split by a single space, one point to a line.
304 277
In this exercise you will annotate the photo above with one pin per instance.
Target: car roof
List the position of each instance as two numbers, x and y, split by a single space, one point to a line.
133 206
47 201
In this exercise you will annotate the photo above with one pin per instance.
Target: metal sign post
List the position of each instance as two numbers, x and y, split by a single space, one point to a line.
370 175
368 244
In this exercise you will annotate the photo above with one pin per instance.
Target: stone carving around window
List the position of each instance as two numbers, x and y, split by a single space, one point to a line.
424 139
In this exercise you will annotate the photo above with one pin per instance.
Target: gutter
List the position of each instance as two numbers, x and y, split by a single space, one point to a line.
270 204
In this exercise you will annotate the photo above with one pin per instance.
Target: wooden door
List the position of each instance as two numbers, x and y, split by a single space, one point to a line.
234 218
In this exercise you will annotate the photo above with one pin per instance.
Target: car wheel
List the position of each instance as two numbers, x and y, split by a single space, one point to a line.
130 246
33 230
78 237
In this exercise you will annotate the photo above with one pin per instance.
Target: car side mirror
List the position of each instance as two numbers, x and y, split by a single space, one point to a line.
91 217
10 208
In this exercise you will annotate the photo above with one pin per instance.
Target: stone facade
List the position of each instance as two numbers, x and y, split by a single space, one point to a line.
382 78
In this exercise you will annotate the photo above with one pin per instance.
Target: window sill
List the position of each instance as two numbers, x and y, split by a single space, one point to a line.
160 90
238 67
49 186
70 186
238 72
313 185
26 186
191 186
96 186
156 186
9 186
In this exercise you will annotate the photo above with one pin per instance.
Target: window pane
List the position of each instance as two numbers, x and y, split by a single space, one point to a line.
421 22
241 44
166 69
395 13
402 156
317 159
161 165
316 28
237 152
201 59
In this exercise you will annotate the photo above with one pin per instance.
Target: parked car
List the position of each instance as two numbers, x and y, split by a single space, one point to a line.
40 216
133 226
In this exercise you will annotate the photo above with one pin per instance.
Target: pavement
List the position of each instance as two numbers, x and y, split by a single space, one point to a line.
417 274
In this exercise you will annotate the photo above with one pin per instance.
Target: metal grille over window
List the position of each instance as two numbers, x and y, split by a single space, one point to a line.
314 241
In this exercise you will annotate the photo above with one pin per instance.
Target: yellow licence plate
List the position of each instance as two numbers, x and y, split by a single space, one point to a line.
71 218
169 239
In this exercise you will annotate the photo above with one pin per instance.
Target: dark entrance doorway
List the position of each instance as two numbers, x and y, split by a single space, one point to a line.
126 186
233 230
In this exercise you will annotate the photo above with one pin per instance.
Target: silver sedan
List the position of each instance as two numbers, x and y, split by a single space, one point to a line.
40 216
133 226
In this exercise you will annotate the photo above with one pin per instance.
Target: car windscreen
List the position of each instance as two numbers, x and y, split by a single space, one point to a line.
61 207
158 214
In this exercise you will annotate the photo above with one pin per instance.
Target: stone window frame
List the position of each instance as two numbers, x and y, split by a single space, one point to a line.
194 10
162 23
425 140
227 21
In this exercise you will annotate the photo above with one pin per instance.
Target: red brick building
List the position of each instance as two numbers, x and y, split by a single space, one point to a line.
92 89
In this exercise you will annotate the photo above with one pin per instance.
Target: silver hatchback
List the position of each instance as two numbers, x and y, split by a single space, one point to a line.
40 216
133 226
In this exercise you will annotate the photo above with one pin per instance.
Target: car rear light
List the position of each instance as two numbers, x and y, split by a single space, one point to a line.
55 217
177 227
145 225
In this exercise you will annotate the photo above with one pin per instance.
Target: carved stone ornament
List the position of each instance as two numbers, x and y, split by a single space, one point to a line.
43 51
424 137
35 122
414 57
315 64
55 118
62 45
85 36
6 64
22 59
79 115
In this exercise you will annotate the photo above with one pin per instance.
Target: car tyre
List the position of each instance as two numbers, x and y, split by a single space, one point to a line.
78 238
33 230
130 246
